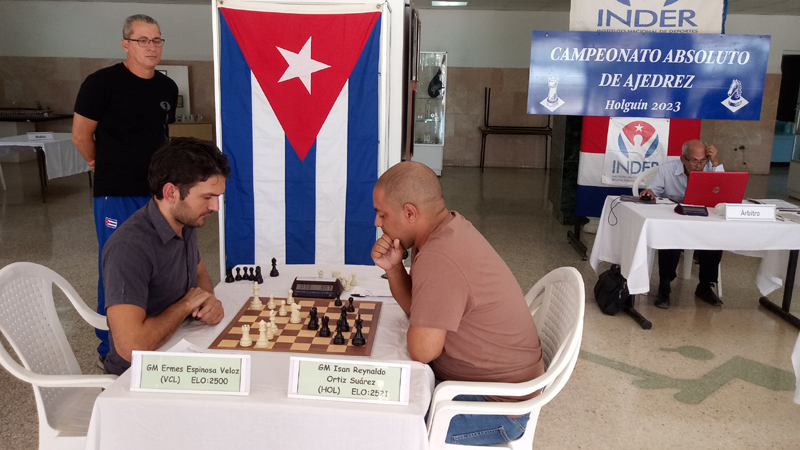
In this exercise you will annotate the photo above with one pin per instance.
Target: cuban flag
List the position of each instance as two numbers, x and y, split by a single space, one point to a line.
613 150
299 114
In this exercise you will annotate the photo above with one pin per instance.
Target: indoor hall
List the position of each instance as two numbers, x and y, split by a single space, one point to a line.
702 377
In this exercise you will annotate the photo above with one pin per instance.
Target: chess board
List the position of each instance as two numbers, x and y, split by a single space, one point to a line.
296 337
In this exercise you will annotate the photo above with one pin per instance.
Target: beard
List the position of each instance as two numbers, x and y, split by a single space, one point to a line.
184 215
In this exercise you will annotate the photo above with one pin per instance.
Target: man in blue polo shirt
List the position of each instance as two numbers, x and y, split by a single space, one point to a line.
153 275
671 181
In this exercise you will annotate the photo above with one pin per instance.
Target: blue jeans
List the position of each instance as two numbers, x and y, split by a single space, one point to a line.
476 429
109 214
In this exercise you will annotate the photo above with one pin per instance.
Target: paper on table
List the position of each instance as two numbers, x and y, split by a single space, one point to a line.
363 292
780 205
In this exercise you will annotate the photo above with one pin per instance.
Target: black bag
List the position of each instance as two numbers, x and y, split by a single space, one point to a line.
611 291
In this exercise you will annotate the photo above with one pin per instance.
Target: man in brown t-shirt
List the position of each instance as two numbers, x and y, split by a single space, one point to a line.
468 316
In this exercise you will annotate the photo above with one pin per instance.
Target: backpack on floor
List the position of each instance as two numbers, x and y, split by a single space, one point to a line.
611 291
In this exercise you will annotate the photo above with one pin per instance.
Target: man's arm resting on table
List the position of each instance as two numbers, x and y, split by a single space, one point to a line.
83 130
400 285
211 312
133 330
425 344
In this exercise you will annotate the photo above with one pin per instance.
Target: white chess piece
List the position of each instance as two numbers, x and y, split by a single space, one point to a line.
245 341
295 313
336 273
353 282
263 341
256 303
255 288
282 311
270 334
290 299
346 285
271 303
273 326
321 273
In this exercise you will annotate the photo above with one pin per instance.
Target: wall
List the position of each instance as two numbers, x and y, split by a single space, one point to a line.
47 48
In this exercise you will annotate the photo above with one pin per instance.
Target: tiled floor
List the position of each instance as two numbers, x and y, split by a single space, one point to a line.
702 378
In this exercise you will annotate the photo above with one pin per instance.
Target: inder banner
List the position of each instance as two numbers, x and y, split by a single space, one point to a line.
697 76
652 16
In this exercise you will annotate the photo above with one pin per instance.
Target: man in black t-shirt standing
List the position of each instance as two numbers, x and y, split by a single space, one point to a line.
122 115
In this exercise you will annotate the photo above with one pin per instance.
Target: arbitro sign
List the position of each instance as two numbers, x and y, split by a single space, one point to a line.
746 211
658 16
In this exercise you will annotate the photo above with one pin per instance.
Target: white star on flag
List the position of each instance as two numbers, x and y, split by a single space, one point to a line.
638 127
301 65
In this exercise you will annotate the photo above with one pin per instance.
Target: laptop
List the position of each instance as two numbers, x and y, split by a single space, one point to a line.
711 188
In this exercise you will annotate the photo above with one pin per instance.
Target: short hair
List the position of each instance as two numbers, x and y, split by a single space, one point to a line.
127 26
411 182
685 148
184 162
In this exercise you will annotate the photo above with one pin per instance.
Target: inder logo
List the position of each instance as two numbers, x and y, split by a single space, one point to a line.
643 15
638 137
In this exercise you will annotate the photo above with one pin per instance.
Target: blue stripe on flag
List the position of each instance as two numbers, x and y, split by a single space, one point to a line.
237 131
300 205
362 153
590 199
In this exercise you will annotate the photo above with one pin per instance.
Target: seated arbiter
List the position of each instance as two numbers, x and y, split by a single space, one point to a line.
670 181
152 272
468 317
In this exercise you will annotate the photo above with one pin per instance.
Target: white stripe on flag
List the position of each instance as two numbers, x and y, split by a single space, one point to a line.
331 191
269 187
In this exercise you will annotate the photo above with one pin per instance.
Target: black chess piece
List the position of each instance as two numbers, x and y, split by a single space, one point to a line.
252 276
344 326
338 339
259 277
325 331
238 274
350 307
338 301
246 275
313 322
274 271
358 338
229 274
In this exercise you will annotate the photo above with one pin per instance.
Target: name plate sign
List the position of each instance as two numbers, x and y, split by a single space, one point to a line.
41 136
196 373
349 381
746 211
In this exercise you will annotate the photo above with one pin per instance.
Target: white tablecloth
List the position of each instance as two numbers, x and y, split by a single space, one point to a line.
639 229
61 155
267 418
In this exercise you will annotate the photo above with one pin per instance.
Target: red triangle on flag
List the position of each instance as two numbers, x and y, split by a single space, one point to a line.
334 40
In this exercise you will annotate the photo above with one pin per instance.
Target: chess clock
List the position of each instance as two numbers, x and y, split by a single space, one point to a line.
317 287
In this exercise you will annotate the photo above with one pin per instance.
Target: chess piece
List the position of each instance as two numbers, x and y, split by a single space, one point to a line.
313 322
271 303
320 273
256 303
259 278
344 325
238 274
338 339
346 285
252 276
335 273
229 275
255 289
290 299
272 325
358 339
338 301
295 317
325 331
274 271
350 307
282 311
263 341
353 281
245 341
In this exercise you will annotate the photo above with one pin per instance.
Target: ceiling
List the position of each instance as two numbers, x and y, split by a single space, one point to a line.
762 7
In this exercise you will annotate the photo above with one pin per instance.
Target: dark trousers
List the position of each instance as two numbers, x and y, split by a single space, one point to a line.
668 262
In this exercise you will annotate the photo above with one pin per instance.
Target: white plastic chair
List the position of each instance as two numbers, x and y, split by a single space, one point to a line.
28 320
557 304
688 255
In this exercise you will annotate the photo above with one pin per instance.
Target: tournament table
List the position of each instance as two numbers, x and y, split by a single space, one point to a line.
268 418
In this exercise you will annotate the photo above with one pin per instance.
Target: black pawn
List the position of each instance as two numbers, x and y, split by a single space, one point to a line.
274 271
325 331
338 339
229 274
350 307
358 338
246 275
252 276
238 274
313 322
338 301
344 325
